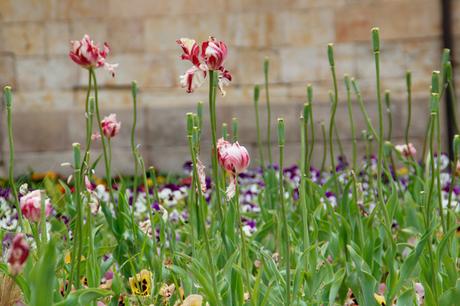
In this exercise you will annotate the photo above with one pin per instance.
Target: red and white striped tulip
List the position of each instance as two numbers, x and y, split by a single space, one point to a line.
87 54
31 206
234 159
214 53
110 126
18 254
210 56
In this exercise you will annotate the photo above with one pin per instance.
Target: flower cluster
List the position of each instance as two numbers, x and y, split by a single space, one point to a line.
210 57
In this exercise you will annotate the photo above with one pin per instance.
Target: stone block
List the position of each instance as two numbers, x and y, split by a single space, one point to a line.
396 19
24 38
79 9
126 35
57 35
24 10
7 70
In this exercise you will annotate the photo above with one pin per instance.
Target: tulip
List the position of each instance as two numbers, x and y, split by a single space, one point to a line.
31 206
211 56
18 254
110 126
87 54
407 150
234 159
214 53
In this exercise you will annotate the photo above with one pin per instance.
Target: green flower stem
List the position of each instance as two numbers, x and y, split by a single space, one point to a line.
312 125
246 265
212 114
409 105
259 141
281 141
9 102
224 131
89 109
336 132
357 91
381 201
104 144
330 53
267 97
194 199
350 117
197 187
303 178
235 129
323 130
134 150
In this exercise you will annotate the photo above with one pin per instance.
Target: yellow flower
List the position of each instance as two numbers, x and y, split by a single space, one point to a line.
402 171
380 299
68 258
141 284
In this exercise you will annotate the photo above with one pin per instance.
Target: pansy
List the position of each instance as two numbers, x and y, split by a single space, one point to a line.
87 54
209 57
141 283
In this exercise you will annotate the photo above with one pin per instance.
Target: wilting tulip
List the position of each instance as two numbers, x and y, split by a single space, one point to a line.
211 56
18 254
31 205
234 159
110 126
87 54
201 175
407 150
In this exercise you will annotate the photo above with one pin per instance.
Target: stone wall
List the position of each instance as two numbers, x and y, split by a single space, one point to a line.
49 89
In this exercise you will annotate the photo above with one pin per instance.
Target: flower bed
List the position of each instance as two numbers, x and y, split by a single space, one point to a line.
377 228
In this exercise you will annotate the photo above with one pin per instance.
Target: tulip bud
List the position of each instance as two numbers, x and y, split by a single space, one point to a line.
134 89
18 254
445 56
8 96
387 147
281 136
91 105
256 94
266 65
435 82
190 124
224 131
457 145
330 54
375 40
309 93
448 71
387 100
408 79
347 82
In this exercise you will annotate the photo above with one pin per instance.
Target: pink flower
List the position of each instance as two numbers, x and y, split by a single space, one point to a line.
234 159
211 56
407 150
18 254
110 126
31 205
214 53
87 54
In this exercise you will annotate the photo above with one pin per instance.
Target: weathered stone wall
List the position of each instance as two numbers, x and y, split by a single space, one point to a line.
49 89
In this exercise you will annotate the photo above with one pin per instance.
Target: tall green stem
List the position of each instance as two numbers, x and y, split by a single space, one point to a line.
133 141
281 141
330 53
103 140
409 105
350 117
212 115
269 114
9 102
259 141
